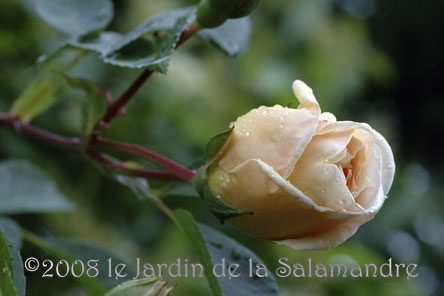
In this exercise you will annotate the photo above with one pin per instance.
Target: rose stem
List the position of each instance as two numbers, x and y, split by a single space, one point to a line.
178 170
115 109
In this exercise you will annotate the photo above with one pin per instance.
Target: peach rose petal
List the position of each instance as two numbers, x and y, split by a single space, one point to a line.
309 180
329 239
388 167
268 126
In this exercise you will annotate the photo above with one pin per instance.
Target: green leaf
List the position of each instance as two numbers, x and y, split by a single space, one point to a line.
7 287
13 235
151 44
148 46
74 249
25 189
233 37
100 42
217 143
139 186
216 249
93 266
96 107
74 17
38 96
186 223
141 287
12 232
251 280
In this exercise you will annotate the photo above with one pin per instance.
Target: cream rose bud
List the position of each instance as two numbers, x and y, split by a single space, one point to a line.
309 180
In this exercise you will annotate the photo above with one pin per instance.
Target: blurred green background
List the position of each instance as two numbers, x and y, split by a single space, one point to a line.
379 62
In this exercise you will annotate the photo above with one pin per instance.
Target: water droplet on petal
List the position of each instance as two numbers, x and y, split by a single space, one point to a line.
247 134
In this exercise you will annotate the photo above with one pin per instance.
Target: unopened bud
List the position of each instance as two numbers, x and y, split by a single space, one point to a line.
213 13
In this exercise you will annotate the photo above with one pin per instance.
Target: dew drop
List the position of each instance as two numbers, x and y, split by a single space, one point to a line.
247 134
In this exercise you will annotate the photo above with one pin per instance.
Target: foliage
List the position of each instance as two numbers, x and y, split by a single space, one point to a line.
56 206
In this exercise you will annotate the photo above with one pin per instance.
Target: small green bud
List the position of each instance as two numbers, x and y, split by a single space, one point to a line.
152 286
213 13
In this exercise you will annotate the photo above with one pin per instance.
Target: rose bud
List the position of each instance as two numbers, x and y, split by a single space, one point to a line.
151 286
307 180
213 13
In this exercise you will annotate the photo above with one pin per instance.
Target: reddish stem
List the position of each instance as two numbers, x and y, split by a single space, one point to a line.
127 171
178 170
175 171
116 108
35 132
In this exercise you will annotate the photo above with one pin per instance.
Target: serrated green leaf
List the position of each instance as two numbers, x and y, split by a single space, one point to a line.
151 44
233 37
96 107
38 96
6 281
217 143
186 223
74 17
25 189
141 287
148 46
12 232
18 271
99 42
226 251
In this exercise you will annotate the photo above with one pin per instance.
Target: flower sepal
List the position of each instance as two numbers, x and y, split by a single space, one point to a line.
216 204
217 143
